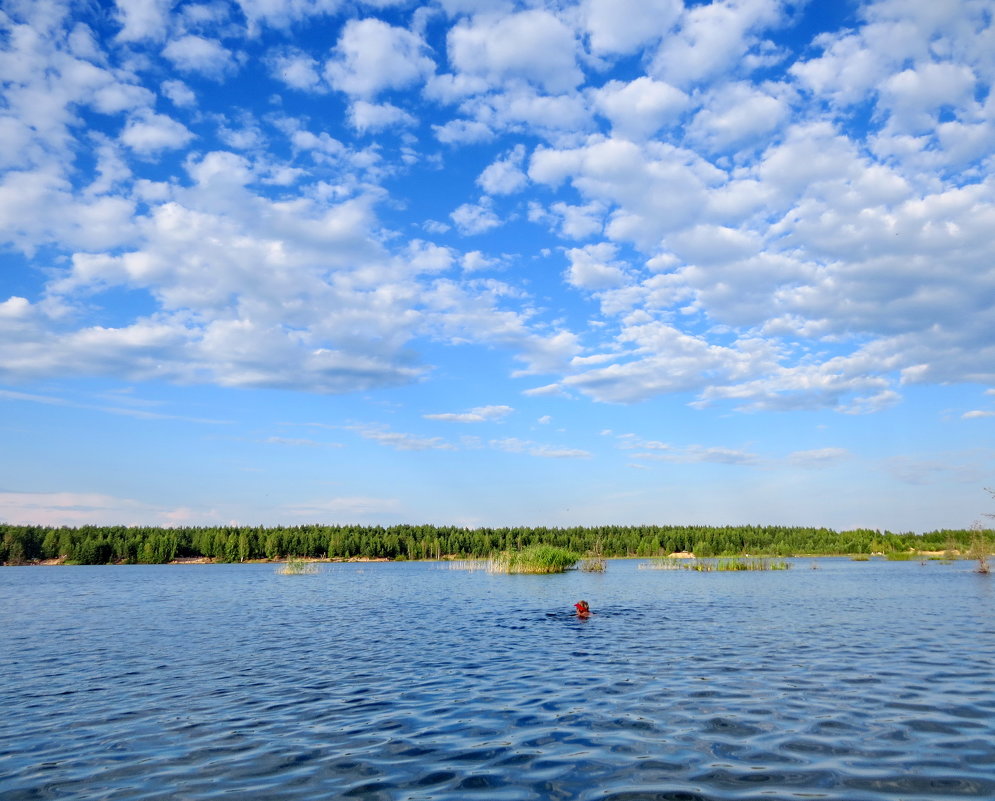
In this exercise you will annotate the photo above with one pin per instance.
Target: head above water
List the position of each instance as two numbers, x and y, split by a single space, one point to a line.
582 608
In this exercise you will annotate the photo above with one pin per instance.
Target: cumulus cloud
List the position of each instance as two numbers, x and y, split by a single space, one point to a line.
504 176
533 46
476 218
372 56
296 69
142 19
368 117
594 267
640 108
623 26
197 54
149 133
711 38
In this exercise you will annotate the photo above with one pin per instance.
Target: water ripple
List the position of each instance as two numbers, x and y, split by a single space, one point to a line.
857 682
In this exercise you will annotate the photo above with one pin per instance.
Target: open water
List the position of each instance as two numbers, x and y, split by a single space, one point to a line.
858 681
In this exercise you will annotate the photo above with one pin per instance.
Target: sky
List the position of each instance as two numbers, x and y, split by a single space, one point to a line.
489 263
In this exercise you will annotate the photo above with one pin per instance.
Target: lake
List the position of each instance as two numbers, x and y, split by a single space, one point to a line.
853 681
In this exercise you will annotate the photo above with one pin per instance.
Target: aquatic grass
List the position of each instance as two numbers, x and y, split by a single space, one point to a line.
536 559
594 561
979 550
298 567
593 564
470 565
902 556
715 565
663 563
860 557
737 564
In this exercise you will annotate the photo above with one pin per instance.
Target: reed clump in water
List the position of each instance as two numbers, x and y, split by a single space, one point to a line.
720 565
594 561
593 564
536 559
470 565
298 567
979 549
663 563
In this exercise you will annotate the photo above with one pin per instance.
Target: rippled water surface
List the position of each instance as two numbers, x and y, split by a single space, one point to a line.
856 680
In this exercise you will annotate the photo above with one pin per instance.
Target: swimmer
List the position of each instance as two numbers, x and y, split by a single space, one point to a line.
583 609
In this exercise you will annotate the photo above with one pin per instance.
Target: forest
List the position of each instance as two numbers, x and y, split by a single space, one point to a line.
101 545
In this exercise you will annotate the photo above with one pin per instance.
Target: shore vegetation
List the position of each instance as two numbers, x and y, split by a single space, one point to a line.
536 559
715 565
98 545
298 567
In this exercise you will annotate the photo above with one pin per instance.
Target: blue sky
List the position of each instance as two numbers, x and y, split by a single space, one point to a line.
481 262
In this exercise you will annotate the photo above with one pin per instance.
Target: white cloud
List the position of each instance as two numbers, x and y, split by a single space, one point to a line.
297 70
463 132
531 46
655 187
914 97
640 108
474 261
475 218
504 176
142 19
622 26
711 38
200 55
737 115
179 94
400 441
480 414
594 267
547 391
373 56
282 13
370 117
38 207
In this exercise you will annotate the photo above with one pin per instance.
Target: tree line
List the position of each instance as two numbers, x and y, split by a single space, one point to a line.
100 545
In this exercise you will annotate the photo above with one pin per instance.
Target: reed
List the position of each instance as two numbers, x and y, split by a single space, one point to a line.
712 565
979 550
663 563
860 557
751 564
594 561
593 564
470 565
536 559
298 567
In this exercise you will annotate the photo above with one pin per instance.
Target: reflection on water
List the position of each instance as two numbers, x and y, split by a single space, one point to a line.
857 681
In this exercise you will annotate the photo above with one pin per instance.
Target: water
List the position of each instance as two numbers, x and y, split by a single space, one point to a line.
857 681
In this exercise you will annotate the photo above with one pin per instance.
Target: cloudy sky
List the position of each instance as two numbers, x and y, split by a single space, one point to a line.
484 262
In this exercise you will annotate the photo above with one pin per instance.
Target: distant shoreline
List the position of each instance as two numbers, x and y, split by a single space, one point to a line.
102 545
207 560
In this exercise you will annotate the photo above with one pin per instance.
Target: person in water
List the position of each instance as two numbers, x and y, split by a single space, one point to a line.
583 609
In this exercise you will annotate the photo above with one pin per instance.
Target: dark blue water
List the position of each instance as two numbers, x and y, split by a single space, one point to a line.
858 680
